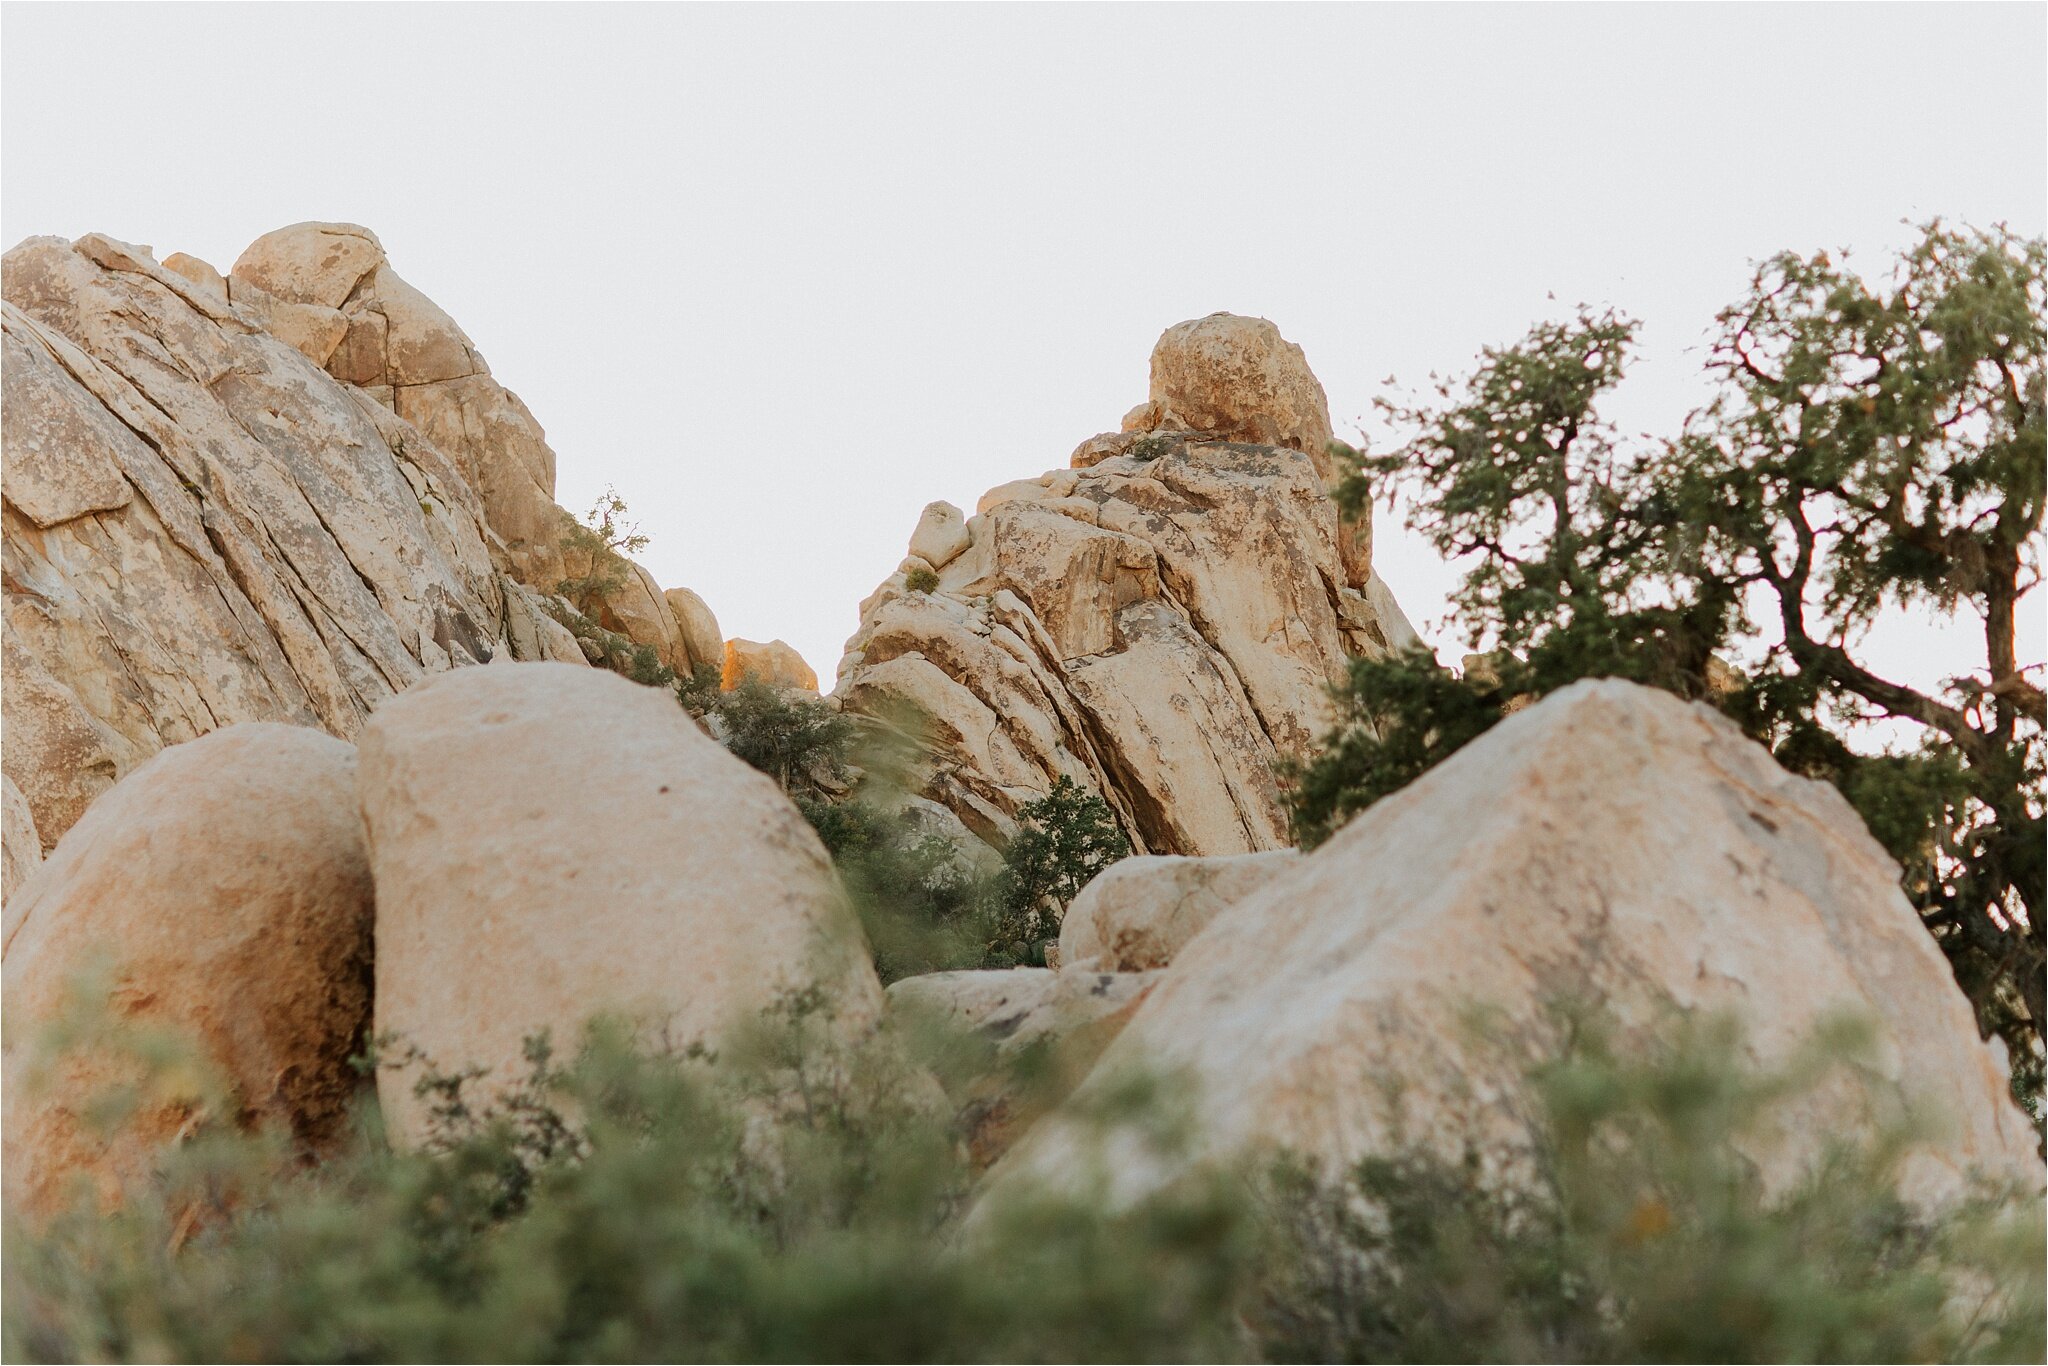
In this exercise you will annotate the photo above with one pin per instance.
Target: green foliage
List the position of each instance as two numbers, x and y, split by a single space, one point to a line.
1637 1228
794 1197
784 1201
1871 447
599 546
1063 840
925 906
795 739
1150 447
922 580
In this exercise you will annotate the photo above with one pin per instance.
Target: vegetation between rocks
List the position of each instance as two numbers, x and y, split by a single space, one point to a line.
781 1200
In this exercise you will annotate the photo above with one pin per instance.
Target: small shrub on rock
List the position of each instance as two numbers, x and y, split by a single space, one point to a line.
1064 839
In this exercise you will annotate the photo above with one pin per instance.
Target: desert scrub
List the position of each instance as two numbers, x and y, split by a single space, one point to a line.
671 1223
1063 840
922 580
670 1219
1634 1227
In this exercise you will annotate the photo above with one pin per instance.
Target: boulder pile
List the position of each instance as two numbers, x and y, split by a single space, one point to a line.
1158 622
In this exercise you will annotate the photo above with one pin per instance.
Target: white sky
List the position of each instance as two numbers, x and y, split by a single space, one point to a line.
784 274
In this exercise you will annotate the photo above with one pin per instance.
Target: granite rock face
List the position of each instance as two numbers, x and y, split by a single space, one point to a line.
1159 622
1609 847
281 494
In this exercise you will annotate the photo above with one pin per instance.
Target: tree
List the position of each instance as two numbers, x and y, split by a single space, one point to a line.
601 545
1870 448
1063 840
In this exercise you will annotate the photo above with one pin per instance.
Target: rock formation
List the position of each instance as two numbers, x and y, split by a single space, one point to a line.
224 890
775 663
204 526
1612 846
551 843
1138 913
1159 623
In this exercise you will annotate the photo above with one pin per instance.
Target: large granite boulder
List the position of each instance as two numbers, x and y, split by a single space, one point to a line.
1610 847
219 894
553 843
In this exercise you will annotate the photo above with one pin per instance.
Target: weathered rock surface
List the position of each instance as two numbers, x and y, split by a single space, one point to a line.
1138 913
1159 625
1067 1017
702 640
202 528
21 848
226 888
1610 845
775 663
552 843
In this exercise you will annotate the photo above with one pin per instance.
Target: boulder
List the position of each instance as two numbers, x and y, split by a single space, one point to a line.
699 628
940 536
197 271
776 663
1139 912
202 527
1610 846
1236 379
21 848
552 843
224 888
1161 623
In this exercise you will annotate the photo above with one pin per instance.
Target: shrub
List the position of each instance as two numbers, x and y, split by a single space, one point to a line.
922 580
600 545
677 1225
795 739
791 1199
1064 839
1635 1228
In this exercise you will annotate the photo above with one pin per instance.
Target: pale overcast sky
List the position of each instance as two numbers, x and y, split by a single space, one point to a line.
784 274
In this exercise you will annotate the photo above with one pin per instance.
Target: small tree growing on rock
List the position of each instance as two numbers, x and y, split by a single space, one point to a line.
1064 839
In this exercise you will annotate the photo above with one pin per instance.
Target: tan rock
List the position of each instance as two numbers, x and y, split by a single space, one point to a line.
701 637
1238 379
1138 913
1159 631
775 663
1609 844
1061 1020
201 527
21 848
940 536
311 263
197 271
225 887
552 842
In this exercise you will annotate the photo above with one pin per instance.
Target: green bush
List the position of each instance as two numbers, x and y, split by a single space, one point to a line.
788 1200
1063 840
922 580
1635 1228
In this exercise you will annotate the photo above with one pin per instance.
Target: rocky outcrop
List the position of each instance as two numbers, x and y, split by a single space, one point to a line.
203 526
224 892
1137 914
551 843
1159 623
1610 846
775 663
